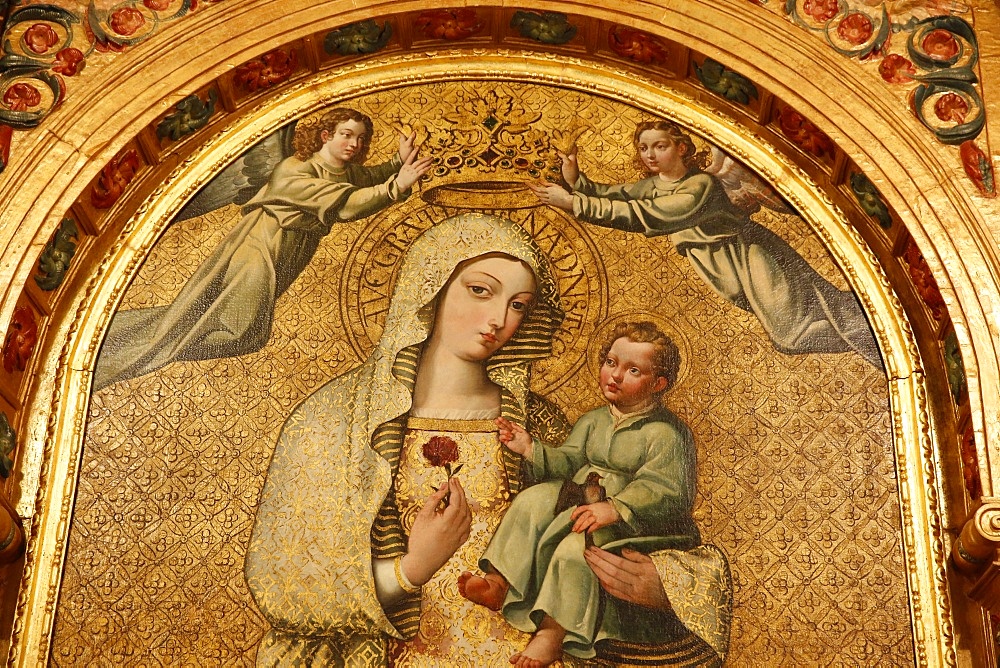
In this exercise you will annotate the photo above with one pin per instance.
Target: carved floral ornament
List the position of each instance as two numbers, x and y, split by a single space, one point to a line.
267 71
940 55
22 335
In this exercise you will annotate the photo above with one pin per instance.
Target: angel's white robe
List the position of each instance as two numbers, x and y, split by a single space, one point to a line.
740 260
227 306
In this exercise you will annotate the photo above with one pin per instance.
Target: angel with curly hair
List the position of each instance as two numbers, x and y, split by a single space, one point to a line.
739 259
226 308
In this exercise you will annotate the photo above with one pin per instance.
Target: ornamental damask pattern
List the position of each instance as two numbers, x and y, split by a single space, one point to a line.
795 456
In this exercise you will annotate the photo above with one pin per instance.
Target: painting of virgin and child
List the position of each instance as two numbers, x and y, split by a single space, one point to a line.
474 305
427 503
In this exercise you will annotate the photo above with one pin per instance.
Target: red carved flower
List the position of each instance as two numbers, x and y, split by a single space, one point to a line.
441 451
940 45
896 69
115 176
126 21
6 133
970 464
21 339
978 168
449 23
103 46
268 70
855 28
821 10
803 133
68 61
951 107
636 45
157 5
21 97
923 281
40 37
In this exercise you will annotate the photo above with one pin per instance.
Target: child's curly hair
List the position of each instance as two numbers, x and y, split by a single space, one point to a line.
307 138
691 158
666 356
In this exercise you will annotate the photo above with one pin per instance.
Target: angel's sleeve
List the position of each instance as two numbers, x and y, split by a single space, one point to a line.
585 186
633 208
371 190
298 197
364 176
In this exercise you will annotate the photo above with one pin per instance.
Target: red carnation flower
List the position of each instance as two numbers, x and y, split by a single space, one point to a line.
441 451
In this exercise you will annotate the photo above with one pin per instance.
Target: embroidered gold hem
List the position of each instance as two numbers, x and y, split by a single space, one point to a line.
459 426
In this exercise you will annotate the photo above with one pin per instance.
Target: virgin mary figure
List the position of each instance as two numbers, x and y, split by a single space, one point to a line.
351 560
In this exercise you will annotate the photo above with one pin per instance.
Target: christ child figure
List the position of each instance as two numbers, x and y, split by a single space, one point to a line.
633 462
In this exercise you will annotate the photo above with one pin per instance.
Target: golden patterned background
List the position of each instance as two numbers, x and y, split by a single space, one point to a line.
796 475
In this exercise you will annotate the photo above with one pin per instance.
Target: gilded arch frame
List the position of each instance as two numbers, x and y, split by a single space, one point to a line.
968 309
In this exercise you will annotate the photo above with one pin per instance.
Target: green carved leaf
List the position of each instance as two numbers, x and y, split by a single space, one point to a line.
190 114
55 258
727 83
8 441
870 199
955 367
544 27
359 38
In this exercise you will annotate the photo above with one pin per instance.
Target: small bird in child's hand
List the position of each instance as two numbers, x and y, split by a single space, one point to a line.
576 494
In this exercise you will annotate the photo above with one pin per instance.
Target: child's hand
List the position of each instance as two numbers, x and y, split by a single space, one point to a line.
550 193
411 171
515 437
570 166
593 516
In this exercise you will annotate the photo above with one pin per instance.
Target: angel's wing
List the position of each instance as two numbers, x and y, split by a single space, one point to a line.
242 179
745 189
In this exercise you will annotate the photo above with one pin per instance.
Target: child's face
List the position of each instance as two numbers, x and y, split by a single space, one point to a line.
345 142
659 153
628 380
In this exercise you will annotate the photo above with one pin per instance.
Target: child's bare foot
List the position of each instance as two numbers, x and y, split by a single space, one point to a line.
488 591
545 647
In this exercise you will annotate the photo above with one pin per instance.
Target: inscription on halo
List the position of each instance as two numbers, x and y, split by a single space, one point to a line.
374 260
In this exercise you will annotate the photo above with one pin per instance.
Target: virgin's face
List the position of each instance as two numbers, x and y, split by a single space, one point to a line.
345 142
482 307
659 152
